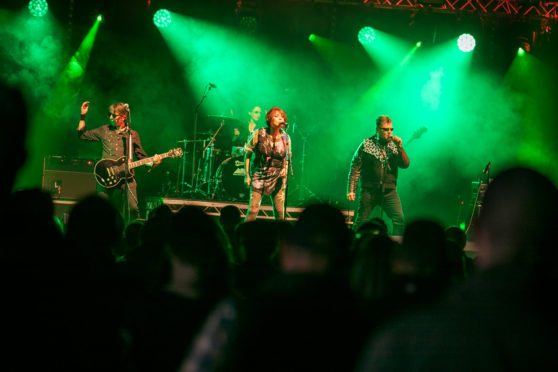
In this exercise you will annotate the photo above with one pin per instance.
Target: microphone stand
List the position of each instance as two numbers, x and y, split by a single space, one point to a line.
194 180
126 203
301 186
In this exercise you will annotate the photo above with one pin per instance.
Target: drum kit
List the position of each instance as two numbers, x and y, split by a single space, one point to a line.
218 172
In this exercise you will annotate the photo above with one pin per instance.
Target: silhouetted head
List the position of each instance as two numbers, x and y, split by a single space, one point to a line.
376 226
457 236
198 242
423 249
517 223
230 216
321 231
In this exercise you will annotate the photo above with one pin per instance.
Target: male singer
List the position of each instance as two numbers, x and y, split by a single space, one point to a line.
375 163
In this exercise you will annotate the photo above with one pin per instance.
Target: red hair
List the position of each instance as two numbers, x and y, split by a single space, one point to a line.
271 112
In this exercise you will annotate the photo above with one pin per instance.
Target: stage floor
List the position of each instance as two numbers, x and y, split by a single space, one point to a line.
213 208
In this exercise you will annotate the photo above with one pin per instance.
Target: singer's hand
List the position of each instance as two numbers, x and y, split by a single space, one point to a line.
398 141
351 196
84 107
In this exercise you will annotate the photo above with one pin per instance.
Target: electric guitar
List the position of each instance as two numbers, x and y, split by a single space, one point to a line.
111 173
417 134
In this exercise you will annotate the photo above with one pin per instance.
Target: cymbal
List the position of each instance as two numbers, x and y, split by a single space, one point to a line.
224 118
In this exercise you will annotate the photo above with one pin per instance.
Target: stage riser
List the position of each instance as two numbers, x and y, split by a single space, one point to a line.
214 208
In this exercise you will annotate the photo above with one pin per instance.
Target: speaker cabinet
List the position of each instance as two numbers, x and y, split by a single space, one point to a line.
68 178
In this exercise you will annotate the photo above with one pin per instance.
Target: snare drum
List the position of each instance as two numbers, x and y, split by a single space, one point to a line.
230 177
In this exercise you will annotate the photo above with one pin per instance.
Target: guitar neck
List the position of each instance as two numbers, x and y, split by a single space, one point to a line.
145 161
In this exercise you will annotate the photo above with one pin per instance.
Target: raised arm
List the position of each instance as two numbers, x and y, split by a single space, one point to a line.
403 161
84 109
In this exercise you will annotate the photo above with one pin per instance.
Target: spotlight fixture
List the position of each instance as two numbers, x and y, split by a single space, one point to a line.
162 18
366 35
312 38
38 8
466 43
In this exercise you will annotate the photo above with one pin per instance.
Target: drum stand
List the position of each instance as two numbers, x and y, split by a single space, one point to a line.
205 173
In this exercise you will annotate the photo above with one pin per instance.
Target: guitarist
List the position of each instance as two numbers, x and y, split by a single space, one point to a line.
114 139
375 164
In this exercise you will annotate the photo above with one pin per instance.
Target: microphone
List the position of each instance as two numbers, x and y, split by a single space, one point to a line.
127 107
211 85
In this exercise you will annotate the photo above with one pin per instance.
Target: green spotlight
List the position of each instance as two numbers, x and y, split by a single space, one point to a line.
520 52
38 8
162 18
466 43
419 44
312 38
99 18
366 35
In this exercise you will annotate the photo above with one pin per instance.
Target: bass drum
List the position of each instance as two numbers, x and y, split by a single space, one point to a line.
230 177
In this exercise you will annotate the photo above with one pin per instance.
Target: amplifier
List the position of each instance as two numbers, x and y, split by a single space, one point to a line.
68 177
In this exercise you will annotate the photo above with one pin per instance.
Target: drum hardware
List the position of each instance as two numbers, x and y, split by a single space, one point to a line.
230 180
196 115
185 142
206 176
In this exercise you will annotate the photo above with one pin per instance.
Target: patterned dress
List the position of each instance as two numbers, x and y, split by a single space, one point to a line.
270 158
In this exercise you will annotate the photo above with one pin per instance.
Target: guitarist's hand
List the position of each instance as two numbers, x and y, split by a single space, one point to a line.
351 196
84 107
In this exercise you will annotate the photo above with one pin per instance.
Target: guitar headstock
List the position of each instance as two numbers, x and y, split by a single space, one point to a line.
175 153
417 134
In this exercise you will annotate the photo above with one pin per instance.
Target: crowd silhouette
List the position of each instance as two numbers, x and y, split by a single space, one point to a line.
185 291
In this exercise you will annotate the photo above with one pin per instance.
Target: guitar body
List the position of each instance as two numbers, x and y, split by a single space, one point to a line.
111 173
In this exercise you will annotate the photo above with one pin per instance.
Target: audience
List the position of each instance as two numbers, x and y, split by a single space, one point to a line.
502 318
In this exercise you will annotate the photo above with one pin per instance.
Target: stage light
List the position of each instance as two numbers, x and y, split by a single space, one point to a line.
419 44
366 35
38 8
99 18
162 18
466 43
520 52
312 38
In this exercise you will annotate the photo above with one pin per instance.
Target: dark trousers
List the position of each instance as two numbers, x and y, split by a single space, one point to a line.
388 201
118 197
